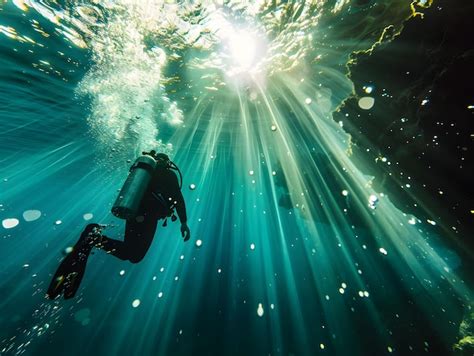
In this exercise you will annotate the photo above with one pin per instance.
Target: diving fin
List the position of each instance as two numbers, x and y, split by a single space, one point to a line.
70 272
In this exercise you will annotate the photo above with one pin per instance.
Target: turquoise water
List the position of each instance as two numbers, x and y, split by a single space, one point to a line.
298 253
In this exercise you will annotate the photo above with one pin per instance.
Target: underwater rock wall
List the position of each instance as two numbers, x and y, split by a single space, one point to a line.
419 130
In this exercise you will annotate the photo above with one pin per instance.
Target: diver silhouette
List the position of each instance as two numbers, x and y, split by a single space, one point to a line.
150 193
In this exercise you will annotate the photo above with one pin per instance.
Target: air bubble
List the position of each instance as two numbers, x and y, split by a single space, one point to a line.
10 223
31 215
366 102
368 89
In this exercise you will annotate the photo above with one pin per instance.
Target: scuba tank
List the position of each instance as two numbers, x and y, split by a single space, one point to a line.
128 201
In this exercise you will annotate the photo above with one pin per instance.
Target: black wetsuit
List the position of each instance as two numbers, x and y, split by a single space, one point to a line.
162 196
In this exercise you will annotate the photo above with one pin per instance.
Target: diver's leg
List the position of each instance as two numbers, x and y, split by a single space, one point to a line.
138 237
137 241
69 274
113 247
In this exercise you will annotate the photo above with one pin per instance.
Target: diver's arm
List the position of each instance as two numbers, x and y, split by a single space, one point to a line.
181 209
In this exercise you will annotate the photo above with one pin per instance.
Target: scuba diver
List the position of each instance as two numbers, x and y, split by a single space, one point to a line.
150 193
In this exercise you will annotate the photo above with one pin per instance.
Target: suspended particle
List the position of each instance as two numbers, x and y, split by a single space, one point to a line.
274 173
10 223
341 290
260 310
343 285
192 186
327 297
160 294
181 257
361 294
366 294
273 128
219 270
68 250
308 101
58 222
366 102
251 172
272 306
373 201
431 222
136 303
122 272
198 243
345 193
383 251
87 216
252 246
31 215
82 315
368 89
321 346
176 278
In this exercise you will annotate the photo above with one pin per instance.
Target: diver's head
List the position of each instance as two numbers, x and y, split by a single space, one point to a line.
162 160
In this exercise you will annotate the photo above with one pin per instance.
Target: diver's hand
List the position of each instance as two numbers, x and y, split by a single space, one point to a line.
185 232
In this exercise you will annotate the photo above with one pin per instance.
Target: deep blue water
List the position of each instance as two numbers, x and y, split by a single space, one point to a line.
300 255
